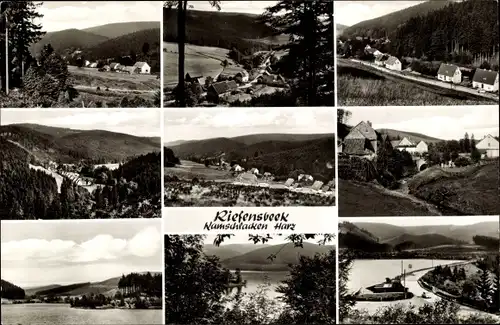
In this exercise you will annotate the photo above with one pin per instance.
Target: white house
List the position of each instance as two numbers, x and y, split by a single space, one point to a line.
449 73
485 79
304 177
243 75
393 63
238 168
87 63
93 65
372 51
142 67
489 145
254 171
406 145
422 147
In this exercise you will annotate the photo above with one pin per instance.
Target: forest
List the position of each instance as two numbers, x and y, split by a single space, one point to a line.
170 160
11 291
132 283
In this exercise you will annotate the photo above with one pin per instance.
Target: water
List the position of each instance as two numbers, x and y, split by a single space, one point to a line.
256 278
55 314
365 273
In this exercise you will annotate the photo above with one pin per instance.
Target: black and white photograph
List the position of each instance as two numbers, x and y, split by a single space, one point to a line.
80 54
89 272
248 53
423 270
250 157
418 161
250 279
80 164
405 53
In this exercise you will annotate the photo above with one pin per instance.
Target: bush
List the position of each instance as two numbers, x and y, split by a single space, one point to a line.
462 162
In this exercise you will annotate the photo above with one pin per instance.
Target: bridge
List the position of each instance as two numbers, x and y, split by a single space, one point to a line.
421 163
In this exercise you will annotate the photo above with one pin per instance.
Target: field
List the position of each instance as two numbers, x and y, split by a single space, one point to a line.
362 199
200 61
473 191
360 87
101 89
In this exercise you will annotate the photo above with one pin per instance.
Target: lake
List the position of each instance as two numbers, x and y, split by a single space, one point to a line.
54 314
256 278
365 273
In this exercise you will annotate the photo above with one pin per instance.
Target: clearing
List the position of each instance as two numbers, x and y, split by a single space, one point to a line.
200 61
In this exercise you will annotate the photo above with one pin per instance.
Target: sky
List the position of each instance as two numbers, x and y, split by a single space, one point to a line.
60 15
424 221
65 251
352 12
202 123
445 123
249 7
137 122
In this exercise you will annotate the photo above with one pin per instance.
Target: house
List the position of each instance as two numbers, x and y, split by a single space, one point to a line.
142 68
372 51
485 79
489 146
217 89
393 63
195 79
113 65
86 63
361 141
242 76
130 69
254 171
93 65
449 72
106 68
305 178
406 144
237 168
422 147
381 59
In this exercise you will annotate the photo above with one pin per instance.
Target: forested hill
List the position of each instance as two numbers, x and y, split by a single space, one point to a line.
11 291
70 146
220 29
384 25
467 28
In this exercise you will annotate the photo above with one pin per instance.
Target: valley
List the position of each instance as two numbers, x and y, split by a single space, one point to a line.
251 171
78 173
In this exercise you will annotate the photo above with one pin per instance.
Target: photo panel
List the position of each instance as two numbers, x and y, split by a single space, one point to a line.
252 157
418 161
446 267
248 53
80 164
91 271
82 54
405 53
258 278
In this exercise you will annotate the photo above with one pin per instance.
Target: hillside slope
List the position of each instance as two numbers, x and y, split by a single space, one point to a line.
381 26
120 29
393 134
68 38
423 241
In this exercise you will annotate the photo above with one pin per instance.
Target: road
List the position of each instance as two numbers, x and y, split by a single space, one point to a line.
436 83
122 90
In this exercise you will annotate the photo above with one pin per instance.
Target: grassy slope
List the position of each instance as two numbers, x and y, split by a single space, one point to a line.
362 200
471 193
424 241
393 134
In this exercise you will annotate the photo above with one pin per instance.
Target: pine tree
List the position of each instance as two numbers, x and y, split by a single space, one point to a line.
485 287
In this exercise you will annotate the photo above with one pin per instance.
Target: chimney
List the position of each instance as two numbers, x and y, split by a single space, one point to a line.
369 123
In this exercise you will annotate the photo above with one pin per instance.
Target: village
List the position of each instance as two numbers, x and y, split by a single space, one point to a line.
480 81
235 82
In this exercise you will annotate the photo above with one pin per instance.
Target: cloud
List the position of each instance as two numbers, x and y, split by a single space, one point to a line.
104 247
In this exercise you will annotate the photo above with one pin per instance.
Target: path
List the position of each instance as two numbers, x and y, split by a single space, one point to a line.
123 90
431 82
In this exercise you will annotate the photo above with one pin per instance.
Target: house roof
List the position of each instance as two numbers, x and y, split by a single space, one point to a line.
141 64
447 70
357 147
392 60
485 76
114 64
371 50
220 87
231 85
364 129
382 58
